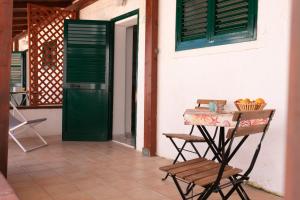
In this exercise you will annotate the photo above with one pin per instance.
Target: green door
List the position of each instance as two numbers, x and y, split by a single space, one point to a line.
86 107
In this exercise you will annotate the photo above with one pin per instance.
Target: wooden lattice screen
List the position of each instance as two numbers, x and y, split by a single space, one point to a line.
46 46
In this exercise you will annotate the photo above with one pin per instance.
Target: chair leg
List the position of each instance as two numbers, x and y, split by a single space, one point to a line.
208 148
233 180
222 194
31 149
189 188
38 134
177 157
195 149
179 188
242 193
245 195
165 178
206 193
17 141
240 190
179 151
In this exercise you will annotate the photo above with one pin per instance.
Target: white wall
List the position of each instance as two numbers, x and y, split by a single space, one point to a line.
108 9
119 80
128 79
250 69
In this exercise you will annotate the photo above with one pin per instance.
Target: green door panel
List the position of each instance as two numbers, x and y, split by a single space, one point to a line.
85 113
86 107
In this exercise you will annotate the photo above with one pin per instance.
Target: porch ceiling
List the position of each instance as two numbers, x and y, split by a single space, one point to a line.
20 12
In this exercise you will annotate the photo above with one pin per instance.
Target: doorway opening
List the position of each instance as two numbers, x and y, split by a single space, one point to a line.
125 79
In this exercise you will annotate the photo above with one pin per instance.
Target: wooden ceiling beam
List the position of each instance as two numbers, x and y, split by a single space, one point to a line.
20 21
20 15
19 24
19 28
14 32
80 4
37 1
20 10
61 4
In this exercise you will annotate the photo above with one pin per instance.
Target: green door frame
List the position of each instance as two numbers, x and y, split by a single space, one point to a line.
111 100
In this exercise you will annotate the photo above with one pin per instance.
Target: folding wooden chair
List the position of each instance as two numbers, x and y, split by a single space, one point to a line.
208 174
18 121
188 138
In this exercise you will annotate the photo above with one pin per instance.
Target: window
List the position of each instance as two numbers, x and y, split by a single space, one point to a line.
203 23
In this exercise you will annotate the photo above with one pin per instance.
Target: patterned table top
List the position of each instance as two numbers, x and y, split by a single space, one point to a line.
206 118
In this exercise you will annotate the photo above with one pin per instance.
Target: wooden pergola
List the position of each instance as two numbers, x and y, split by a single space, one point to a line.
20 15
13 26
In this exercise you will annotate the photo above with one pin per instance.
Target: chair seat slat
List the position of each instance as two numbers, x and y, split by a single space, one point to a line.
172 166
189 167
198 170
204 174
211 179
186 137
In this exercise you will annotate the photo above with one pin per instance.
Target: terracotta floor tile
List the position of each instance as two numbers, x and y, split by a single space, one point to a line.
74 196
19 178
94 171
34 193
60 189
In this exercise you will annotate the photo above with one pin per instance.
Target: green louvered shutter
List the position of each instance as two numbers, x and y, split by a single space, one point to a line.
86 52
202 23
233 16
193 19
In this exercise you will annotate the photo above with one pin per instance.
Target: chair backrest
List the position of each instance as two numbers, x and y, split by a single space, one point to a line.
201 102
250 122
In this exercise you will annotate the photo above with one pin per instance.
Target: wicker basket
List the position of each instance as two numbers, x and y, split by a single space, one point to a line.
249 106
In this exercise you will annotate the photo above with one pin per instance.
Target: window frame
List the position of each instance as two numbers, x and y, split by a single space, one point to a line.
215 40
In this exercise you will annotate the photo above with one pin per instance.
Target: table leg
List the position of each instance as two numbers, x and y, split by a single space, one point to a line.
222 140
210 142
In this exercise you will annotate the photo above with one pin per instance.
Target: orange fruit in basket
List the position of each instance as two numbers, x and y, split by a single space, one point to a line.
245 101
260 101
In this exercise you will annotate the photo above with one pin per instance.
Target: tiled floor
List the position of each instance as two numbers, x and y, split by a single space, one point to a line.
92 171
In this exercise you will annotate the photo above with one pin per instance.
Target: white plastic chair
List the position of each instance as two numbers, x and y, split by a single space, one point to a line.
17 121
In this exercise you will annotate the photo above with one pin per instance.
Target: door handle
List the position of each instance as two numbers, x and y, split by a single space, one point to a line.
75 86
